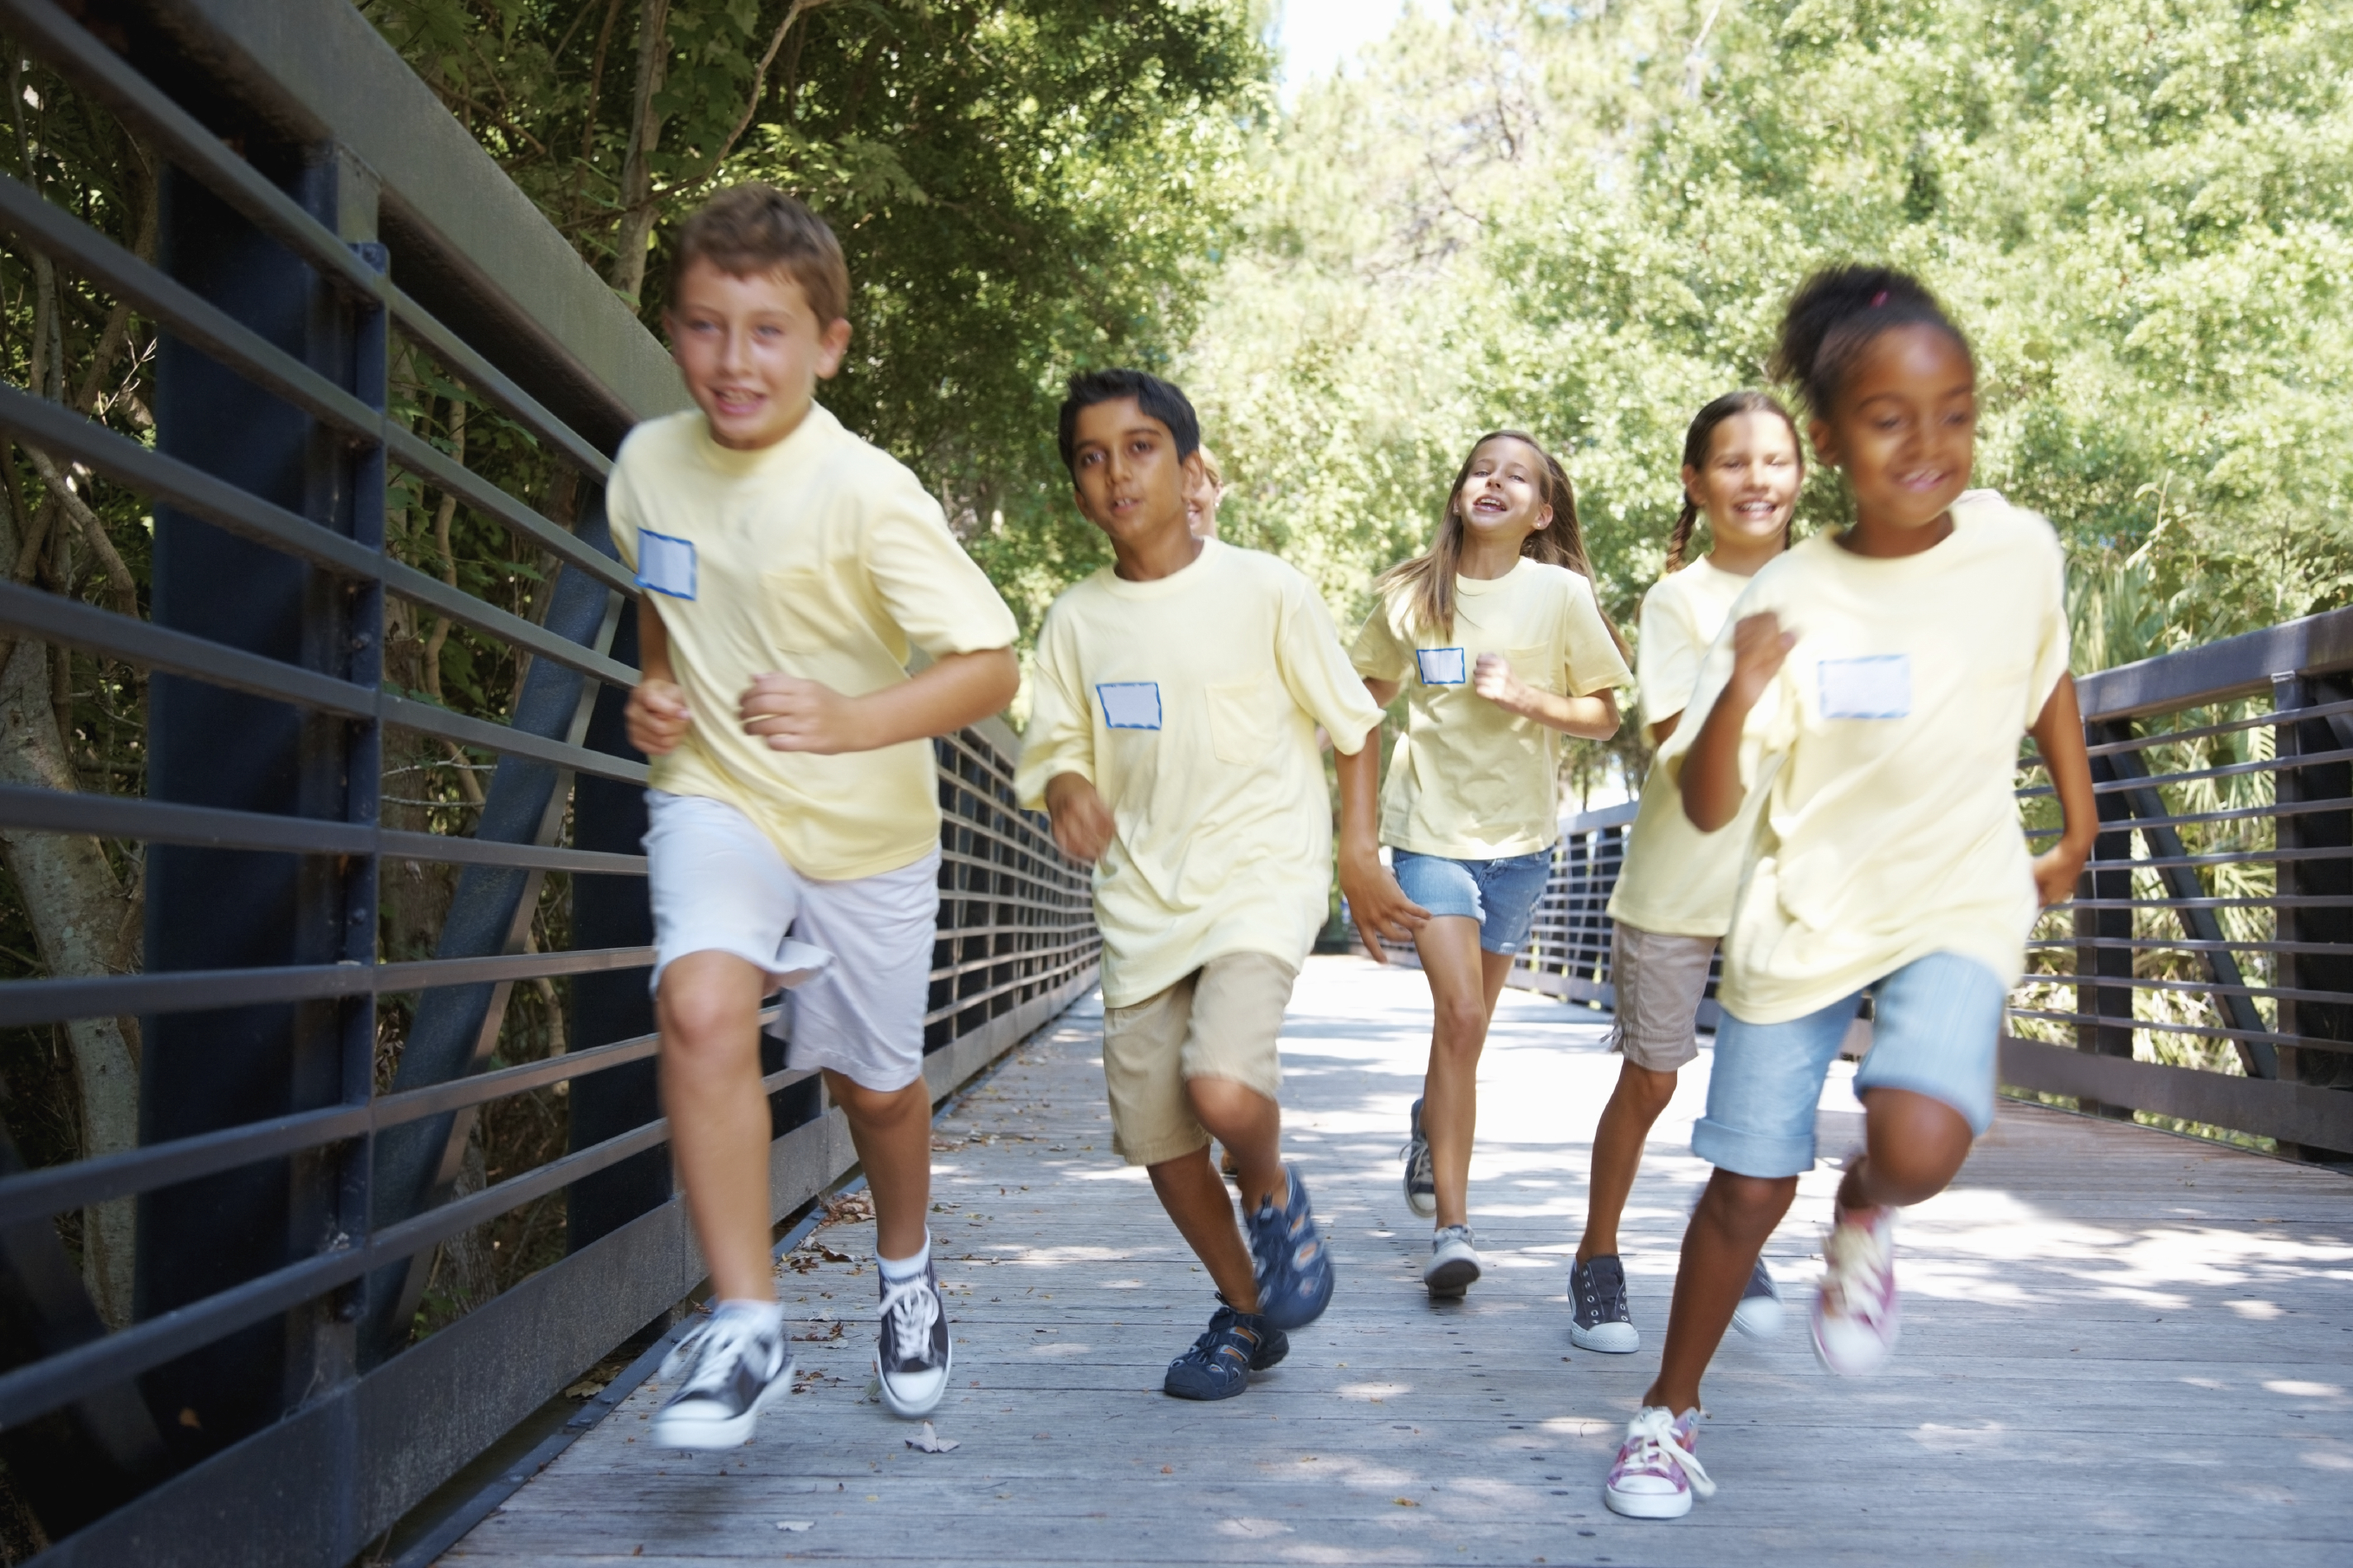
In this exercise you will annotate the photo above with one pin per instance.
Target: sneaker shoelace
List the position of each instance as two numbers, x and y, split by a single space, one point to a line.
1653 1448
711 1351
909 1307
1855 1284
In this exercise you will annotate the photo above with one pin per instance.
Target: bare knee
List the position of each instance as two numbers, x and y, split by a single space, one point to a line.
1646 1089
703 1025
873 1107
1461 1022
1748 1204
1915 1145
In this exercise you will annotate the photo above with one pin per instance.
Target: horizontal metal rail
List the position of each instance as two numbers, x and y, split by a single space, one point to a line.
85 626
25 1002
164 822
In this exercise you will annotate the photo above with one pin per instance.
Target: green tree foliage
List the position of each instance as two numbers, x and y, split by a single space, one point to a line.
1586 222
1019 186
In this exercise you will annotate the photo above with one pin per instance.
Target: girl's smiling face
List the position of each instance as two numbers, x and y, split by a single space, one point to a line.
1749 487
1502 498
1904 432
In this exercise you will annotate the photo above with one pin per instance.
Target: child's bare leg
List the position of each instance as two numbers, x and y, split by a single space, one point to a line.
1912 1147
1727 1232
1195 1197
709 1011
1464 982
1635 1105
893 1131
1250 1127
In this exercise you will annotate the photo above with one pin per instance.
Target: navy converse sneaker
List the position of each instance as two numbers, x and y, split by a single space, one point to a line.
1220 1362
1287 1253
1760 1313
912 1356
731 1367
1597 1290
1420 1181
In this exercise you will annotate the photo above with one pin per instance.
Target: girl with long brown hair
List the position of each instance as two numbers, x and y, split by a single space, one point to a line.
1501 647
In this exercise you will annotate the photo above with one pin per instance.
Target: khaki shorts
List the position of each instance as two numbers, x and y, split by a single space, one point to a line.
1223 1020
1660 978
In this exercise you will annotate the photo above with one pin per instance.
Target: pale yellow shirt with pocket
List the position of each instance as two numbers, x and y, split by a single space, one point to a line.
1466 779
1676 879
1191 703
1887 751
820 556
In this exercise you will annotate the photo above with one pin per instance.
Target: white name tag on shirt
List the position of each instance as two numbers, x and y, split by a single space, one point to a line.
1441 666
1130 704
666 565
1877 687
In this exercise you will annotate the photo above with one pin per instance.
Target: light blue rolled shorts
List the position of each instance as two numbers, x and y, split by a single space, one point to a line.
1936 1031
1500 895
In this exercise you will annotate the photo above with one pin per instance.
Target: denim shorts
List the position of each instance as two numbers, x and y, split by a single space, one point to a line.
1500 895
1936 1031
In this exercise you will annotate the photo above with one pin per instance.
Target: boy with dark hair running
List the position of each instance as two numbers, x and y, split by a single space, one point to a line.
1172 738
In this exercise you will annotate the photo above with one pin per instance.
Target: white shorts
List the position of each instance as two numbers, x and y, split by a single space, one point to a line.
720 886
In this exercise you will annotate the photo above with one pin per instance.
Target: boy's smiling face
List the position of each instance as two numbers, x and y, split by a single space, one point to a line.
1129 479
750 350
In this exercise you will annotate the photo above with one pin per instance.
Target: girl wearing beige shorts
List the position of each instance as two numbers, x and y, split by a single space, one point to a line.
1742 468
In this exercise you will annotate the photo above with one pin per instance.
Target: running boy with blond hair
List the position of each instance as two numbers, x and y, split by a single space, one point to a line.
789 570
1172 737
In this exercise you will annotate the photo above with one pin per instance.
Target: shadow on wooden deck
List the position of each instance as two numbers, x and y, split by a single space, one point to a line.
2119 1346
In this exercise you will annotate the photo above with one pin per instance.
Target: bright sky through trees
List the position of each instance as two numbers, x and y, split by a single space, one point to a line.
1316 35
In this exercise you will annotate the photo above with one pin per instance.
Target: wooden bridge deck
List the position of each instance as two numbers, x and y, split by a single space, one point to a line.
2120 1346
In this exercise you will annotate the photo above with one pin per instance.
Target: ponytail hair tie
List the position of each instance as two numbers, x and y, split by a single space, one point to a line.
1878 300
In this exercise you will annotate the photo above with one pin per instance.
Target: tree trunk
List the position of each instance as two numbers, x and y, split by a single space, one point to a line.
628 274
81 919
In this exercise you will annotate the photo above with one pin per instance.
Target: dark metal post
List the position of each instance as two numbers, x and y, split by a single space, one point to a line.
612 911
2108 876
209 908
2331 876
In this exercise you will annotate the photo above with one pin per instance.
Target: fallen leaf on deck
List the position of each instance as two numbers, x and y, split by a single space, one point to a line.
1405 1502
931 1442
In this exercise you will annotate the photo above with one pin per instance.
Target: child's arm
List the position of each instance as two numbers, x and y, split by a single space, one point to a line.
656 714
1379 906
796 715
2058 735
1711 770
1593 718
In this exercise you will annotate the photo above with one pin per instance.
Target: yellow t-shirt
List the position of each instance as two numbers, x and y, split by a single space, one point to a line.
1675 878
1886 750
1466 779
822 557
1191 702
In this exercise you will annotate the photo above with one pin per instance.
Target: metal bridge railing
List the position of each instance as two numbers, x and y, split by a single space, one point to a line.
2203 974
305 1106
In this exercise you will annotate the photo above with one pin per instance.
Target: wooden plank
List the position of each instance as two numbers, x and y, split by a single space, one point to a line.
2120 1346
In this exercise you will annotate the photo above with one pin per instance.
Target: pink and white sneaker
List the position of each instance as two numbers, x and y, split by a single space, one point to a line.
1656 1473
1857 1313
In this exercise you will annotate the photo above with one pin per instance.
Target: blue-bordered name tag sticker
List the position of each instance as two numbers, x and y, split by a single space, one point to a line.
1130 704
1442 665
665 565
1876 686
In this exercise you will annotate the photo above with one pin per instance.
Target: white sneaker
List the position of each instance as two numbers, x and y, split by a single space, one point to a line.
1656 1472
727 1370
1454 1266
1857 1314
913 1353
1760 1313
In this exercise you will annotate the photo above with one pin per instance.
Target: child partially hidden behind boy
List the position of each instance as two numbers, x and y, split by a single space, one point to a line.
789 567
1172 738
